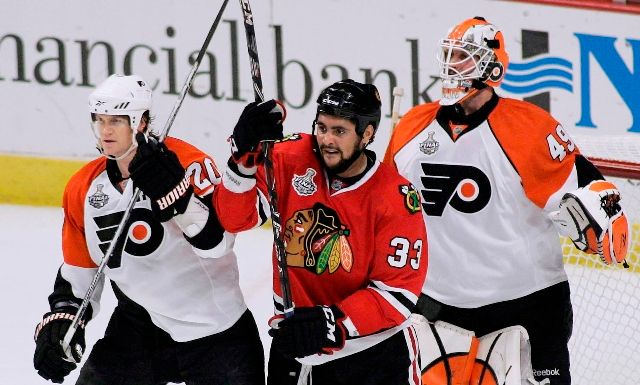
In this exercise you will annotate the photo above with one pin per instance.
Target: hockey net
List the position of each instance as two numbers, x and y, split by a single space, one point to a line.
605 344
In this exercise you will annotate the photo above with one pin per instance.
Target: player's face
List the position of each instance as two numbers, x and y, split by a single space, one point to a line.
114 132
337 140
461 62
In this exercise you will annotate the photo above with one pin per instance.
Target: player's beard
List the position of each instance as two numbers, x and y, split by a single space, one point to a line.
344 163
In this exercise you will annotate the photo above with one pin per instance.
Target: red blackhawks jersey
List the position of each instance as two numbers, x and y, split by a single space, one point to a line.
362 247
188 292
486 188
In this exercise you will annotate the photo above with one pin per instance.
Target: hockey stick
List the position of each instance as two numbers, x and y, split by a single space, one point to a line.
127 212
267 146
398 92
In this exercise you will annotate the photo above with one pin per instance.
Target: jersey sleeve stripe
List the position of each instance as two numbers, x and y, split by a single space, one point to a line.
237 183
396 297
80 279
263 208
278 304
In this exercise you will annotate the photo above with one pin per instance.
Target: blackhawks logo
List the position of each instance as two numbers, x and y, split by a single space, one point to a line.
411 198
316 240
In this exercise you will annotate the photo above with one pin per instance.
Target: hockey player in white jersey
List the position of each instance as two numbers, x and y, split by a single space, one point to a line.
181 316
495 174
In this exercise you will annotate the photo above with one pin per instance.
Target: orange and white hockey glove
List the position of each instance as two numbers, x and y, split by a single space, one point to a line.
592 218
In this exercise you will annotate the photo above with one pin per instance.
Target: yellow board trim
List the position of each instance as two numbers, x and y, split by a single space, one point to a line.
35 181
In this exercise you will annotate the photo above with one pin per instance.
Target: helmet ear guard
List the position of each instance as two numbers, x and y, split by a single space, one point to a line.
348 99
496 73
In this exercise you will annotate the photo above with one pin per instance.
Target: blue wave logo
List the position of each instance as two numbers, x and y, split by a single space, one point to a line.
539 74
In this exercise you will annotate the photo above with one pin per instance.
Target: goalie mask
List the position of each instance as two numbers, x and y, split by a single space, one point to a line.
120 95
357 102
471 57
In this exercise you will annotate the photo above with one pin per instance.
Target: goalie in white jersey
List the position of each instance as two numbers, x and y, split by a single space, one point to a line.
495 174
181 316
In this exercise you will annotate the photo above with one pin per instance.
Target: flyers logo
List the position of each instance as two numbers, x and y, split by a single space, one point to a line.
465 188
141 236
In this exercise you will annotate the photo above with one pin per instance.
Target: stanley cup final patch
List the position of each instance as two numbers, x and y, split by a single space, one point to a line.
304 184
99 199
430 145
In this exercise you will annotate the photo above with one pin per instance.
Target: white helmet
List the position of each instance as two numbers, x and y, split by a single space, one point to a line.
481 52
121 95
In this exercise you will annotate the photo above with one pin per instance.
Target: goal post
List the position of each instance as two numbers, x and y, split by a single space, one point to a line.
605 343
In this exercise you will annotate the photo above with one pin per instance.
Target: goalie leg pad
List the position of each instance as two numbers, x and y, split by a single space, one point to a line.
504 357
455 356
447 352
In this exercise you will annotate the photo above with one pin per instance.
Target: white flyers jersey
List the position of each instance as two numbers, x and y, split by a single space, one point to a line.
185 294
486 190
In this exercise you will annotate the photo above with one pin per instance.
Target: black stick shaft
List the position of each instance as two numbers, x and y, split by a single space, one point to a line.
267 146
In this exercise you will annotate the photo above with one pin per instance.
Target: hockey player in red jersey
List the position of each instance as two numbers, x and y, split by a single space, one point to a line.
180 316
495 174
355 241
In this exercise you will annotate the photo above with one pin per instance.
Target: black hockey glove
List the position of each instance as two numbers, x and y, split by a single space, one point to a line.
310 330
49 358
157 171
258 122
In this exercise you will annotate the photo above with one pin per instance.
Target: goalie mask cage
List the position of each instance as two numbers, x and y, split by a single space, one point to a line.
605 344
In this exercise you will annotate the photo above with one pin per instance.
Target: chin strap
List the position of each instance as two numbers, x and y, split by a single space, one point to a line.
478 84
134 145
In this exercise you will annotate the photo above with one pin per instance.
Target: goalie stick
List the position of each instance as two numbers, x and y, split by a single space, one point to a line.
267 147
127 212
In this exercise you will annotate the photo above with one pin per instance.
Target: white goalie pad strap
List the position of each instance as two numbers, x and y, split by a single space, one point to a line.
195 217
237 183
447 352
593 219
505 355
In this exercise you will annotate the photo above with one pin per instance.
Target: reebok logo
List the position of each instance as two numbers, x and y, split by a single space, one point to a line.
547 372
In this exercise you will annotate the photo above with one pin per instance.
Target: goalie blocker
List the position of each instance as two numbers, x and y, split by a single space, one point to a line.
593 219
